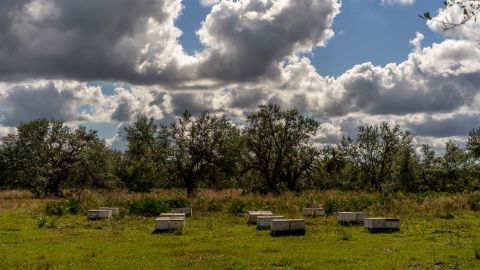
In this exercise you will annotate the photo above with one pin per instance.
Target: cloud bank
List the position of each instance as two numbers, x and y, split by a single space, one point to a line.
256 51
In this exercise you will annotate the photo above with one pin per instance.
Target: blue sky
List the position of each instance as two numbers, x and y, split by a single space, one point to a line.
366 31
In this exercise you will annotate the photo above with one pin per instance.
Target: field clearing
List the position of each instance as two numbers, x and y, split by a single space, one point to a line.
219 240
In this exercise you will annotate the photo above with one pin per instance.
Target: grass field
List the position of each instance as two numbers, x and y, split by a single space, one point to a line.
219 240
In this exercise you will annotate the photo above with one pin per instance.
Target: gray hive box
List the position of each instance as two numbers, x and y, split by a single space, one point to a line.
265 222
252 215
281 227
347 218
99 214
162 224
185 210
177 223
167 224
115 211
173 215
313 212
382 224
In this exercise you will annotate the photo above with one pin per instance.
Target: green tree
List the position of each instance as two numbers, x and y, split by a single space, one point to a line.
203 148
375 151
456 167
147 155
473 143
275 138
46 155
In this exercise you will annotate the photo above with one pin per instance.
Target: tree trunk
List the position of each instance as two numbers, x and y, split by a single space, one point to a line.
191 187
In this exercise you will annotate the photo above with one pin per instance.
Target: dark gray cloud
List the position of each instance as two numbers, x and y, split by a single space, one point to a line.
22 103
78 39
454 125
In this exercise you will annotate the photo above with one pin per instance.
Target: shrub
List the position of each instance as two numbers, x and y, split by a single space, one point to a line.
237 207
178 202
73 205
55 208
42 222
474 201
148 207
215 206
332 205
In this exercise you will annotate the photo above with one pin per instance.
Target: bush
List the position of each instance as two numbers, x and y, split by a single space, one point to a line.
237 207
331 206
73 205
215 206
178 202
55 209
148 207
474 201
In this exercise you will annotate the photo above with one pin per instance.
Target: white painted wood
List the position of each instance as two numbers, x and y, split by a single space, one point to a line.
280 225
115 211
99 214
313 212
352 217
252 215
265 222
380 224
185 210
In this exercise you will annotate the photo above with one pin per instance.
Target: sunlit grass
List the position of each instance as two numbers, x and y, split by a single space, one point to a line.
218 240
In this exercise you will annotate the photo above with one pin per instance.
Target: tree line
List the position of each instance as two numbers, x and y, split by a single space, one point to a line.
272 152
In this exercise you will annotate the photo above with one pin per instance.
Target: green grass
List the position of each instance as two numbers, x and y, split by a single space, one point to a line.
223 241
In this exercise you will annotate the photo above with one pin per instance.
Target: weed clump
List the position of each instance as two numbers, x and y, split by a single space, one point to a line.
150 207
237 207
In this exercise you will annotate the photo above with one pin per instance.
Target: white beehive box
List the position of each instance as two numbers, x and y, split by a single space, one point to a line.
165 224
382 224
162 224
99 214
171 215
346 218
115 211
287 227
185 210
252 215
265 222
313 212
177 223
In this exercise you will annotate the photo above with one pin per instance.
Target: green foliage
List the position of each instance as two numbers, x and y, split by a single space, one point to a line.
55 209
237 207
148 207
278 145
73 205
46 155
178 202
59 208
334 205
474 201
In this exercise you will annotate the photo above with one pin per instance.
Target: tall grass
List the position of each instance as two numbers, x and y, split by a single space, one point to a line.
235 201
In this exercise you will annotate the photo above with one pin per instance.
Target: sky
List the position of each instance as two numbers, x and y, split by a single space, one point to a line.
346 63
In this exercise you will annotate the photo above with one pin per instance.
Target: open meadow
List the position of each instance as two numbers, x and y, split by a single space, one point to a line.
437 232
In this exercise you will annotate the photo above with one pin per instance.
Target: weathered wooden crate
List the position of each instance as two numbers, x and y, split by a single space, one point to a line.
313 212
115 211
282 227
99 214
348 218
382 224
252 215
264 222
185 210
